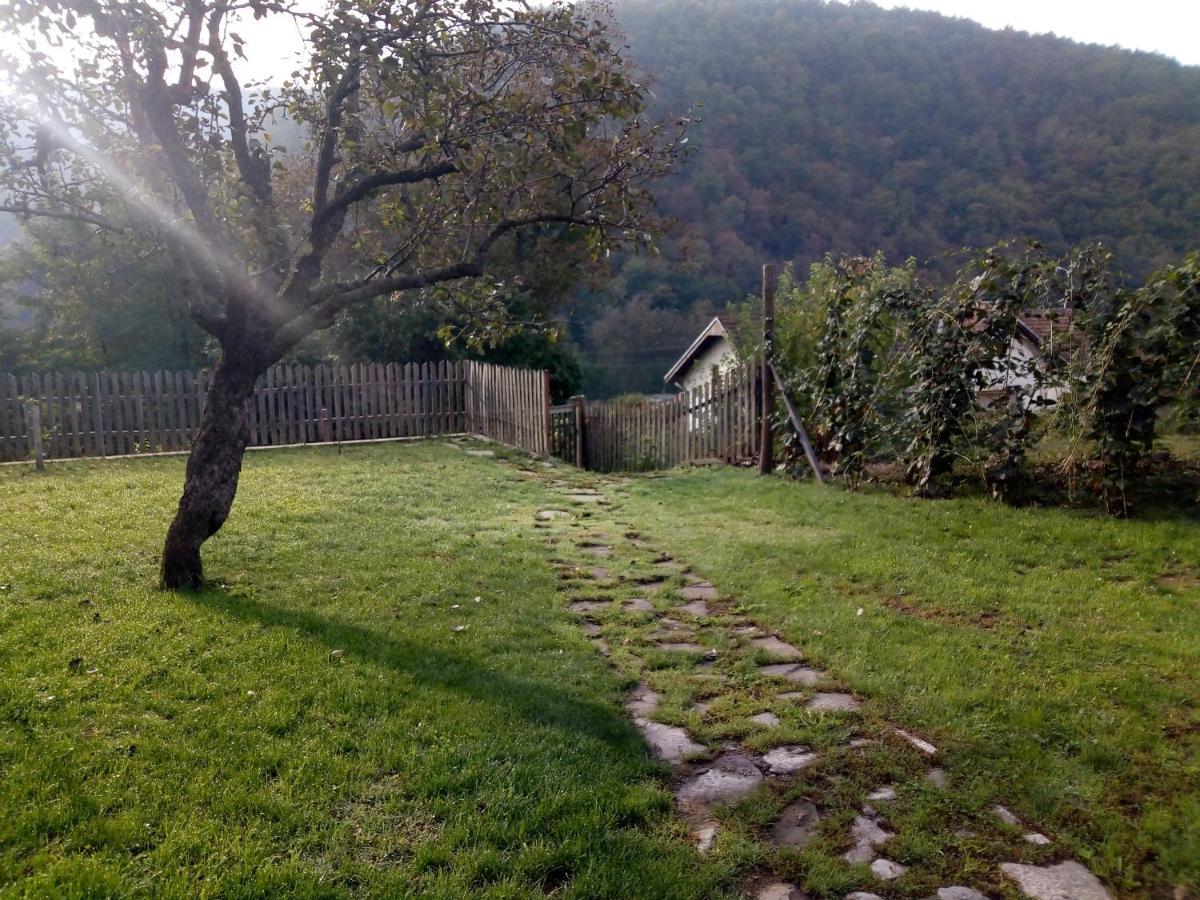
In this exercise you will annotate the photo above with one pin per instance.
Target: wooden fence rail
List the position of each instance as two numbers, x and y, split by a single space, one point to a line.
119 413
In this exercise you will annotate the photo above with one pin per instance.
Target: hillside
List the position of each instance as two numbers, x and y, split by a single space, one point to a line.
847 129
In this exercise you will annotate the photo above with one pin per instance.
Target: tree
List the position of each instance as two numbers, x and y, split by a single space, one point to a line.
439 131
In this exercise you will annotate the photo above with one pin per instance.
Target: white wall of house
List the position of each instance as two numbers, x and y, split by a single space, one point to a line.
1023 359
719 353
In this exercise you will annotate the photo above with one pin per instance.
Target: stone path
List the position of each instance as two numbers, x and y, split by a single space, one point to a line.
721 700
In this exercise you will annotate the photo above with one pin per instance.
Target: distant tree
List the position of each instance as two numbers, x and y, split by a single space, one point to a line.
440 130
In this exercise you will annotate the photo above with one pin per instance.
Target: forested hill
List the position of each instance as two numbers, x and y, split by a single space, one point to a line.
834 128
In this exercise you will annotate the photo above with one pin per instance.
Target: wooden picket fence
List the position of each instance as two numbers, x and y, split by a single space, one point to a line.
716 422
120 413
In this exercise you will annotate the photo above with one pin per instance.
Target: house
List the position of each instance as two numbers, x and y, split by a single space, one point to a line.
1039 331
712 350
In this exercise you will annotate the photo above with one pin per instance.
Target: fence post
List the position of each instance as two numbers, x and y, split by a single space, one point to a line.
326 426
580 430
766 383
35 428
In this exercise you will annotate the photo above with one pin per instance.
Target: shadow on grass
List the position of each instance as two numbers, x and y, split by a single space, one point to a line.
538 701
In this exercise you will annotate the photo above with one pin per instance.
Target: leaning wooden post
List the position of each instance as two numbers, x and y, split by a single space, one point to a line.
766 382
547 436
35 426
580 426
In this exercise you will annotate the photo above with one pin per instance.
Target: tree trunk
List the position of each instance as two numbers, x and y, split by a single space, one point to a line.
212 473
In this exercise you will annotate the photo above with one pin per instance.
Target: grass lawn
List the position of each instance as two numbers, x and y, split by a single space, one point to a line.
314 725
1054 656
179 745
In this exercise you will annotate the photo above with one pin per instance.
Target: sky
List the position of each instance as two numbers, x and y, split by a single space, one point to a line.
1170 27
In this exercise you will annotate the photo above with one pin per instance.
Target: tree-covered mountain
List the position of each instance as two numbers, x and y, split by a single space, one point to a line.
831 128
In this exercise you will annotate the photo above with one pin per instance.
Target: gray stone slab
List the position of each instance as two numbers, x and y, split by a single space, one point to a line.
863 895
584 498
1065 881
701 591
483 454
1037 839
697 608
780 890
805 675
642 702
1005 815
959 893
887 870
777 649
669 743
701 707
797 825
730 778
833 702
680 647
589 606
548 515
598 550
937 777
789 758
599 574
768 719
705 835
920 743
638 604
883 794
591 629
865 830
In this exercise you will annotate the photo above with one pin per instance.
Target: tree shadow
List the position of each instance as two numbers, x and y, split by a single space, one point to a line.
541 702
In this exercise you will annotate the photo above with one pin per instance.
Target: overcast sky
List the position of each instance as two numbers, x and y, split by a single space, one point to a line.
1170 27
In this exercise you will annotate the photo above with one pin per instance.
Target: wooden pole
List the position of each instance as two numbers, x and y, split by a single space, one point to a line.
580 424
326 426
35 427
798 425
766 383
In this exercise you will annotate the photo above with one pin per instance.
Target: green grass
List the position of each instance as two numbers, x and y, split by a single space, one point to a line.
176 745
183 745
1052 655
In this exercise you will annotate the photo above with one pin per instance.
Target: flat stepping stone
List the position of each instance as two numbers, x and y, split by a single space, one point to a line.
651 587
1037 839
769 719
959 893
777 649
484 454
937 777
833 702
701 707
1005 815
863 895
867 835
681 647
789 758
797 825
643 702
882 794
780 890
598 550
584 498
589 606
669 743
697 608
591 629
602 646
638 604
920 743
701 591
746 630
549 515
791 695
599 574
887 870
1065 881
805 675
730 778
704 836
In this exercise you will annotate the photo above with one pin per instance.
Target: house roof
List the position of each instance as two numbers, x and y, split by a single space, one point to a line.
719 327
1047 322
